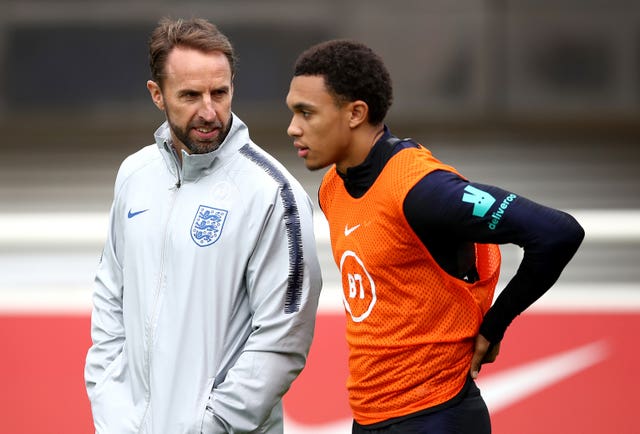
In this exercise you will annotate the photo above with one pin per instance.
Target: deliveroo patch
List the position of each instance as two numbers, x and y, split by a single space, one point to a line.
497 215
481 200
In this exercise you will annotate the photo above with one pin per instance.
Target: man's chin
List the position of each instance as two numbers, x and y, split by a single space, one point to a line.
206 147
313 166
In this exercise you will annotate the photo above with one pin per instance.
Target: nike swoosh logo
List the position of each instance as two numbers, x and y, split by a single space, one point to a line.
348 230
502 389
135 213
507 387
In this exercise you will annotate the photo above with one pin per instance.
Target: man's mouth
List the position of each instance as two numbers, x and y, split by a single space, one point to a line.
302 151
206 133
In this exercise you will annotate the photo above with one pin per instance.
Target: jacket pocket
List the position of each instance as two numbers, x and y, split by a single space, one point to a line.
207 419
208 426
107 375
114 404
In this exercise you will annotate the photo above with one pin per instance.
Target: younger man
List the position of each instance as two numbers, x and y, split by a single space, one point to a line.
416 245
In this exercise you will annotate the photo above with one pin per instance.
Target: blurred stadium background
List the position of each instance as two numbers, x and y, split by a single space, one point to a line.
540 97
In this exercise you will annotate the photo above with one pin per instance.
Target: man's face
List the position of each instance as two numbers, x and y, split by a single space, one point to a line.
196 96
319 126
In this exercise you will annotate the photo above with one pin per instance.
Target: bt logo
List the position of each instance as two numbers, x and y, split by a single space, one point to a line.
358 288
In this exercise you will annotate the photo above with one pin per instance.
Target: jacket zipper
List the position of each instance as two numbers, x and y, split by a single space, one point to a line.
176 160
161 283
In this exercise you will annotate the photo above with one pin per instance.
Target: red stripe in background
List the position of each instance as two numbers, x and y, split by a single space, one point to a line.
41 374
600 399
42 386
319 394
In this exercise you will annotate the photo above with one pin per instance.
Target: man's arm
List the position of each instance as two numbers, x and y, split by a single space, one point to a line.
461 212
107 327
549 239
283 281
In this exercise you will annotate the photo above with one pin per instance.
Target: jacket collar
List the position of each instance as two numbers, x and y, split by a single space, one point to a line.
196 165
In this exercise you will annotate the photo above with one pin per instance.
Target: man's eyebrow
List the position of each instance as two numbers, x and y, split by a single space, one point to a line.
187 91
224 88
302 106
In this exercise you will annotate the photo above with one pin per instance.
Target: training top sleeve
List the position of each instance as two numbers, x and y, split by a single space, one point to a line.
446 211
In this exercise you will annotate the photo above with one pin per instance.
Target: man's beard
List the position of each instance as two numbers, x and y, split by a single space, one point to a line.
197 147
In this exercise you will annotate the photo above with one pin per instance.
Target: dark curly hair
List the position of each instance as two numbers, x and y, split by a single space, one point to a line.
351 71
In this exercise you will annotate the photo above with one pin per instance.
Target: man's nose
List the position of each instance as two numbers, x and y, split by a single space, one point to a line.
207 109
293 130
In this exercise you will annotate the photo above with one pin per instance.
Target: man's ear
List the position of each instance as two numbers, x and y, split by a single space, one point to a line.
359 111
156 94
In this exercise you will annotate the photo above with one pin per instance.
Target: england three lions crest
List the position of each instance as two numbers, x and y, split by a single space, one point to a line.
207 225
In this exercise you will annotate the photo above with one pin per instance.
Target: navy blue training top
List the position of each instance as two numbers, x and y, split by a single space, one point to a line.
449 214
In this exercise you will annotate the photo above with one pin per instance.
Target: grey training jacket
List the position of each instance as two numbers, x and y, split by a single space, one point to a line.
206 293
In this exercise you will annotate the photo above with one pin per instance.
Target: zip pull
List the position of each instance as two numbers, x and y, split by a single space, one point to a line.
177 160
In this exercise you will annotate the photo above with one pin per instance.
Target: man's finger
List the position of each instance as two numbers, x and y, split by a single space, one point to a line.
480 350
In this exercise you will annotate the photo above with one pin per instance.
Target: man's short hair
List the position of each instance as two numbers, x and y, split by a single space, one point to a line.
352 71
196 33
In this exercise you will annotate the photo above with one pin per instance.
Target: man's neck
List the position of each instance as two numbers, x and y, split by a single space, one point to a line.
363 140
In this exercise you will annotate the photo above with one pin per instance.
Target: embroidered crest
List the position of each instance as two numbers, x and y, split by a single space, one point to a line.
207 225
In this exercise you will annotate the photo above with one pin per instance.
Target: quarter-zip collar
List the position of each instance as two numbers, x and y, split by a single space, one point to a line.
195 166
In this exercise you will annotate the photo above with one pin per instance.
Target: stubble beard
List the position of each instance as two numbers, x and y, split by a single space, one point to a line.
200 147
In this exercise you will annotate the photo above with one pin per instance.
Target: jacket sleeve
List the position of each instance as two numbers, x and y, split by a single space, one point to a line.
107 328
283 282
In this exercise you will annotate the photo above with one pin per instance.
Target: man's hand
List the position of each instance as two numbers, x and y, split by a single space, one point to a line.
485 352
